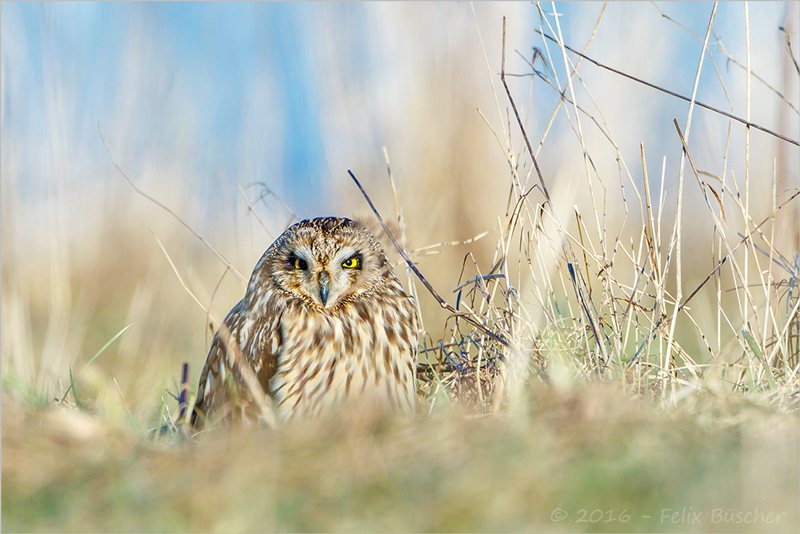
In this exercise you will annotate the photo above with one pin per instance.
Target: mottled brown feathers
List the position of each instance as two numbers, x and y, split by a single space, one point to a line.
324 320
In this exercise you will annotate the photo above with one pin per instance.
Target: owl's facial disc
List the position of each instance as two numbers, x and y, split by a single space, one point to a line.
326 278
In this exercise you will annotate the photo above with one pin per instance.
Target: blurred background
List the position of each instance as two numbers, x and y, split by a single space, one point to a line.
207 107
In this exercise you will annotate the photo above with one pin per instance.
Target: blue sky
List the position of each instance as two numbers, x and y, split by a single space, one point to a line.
243 90
216 49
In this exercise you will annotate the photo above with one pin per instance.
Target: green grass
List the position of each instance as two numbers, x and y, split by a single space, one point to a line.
587 450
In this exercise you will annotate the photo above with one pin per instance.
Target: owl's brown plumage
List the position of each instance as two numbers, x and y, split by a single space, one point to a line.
324 320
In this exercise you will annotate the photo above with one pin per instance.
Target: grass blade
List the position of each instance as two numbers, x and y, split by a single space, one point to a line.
103 348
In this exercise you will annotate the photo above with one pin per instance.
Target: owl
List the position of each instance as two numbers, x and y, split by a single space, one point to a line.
324 321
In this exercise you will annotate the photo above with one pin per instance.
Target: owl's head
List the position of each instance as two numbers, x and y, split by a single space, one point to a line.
326 261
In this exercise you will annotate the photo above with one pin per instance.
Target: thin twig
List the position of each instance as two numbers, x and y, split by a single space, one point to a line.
123 399
175 270
789 48
443 303
252 210
519 120
676 95
162 206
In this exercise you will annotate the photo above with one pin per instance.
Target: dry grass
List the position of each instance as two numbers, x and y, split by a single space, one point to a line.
593 366
591 449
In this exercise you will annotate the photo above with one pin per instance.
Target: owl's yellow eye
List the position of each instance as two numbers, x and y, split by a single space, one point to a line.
300 264
352 263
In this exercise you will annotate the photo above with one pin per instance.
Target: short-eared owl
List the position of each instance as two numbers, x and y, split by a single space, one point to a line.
324 320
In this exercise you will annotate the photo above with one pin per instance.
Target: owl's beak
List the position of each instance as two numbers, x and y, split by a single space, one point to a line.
323 287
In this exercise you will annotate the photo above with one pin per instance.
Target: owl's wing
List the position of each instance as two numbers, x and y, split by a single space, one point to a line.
235 382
